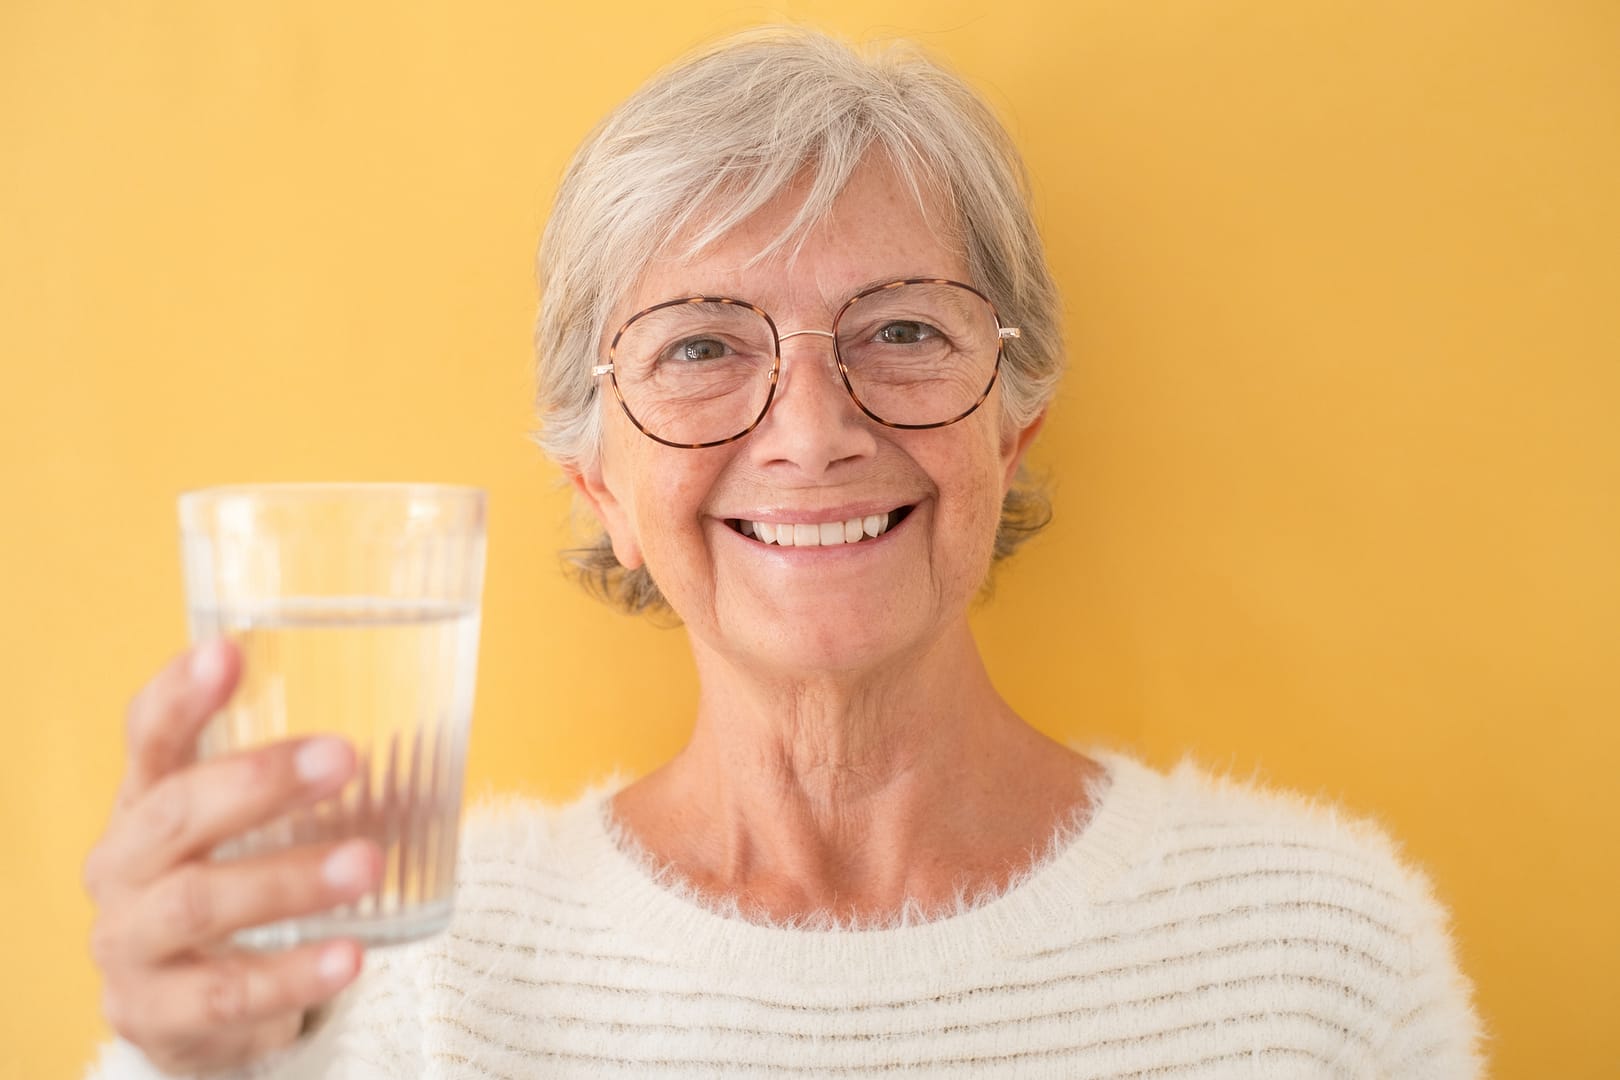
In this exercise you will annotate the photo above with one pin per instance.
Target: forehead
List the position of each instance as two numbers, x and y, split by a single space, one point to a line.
877 229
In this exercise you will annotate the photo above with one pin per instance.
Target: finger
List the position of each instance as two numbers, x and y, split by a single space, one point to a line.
164 719
190 812
203 902
231 1050
216 1006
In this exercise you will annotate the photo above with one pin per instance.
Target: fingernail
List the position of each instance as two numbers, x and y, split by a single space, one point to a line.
335 963
207 663
319 759
346 868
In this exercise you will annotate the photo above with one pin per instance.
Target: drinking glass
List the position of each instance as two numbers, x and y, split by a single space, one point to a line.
356 610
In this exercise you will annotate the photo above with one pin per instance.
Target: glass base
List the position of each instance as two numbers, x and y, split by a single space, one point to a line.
372 931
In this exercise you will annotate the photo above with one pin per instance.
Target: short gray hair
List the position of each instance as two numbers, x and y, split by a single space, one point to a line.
767 107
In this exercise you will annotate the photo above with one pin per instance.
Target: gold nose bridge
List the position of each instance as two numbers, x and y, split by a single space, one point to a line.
831 356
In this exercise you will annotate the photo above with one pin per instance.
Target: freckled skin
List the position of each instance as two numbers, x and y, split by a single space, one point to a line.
814 449
849 749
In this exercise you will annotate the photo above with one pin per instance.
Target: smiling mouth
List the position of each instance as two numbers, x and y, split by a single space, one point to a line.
821 533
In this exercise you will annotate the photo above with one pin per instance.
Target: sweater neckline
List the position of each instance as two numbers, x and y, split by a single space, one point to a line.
1053 894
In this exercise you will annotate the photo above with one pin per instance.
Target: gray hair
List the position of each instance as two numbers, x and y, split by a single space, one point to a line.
767 107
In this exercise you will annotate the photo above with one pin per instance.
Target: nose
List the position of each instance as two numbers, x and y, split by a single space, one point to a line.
813 424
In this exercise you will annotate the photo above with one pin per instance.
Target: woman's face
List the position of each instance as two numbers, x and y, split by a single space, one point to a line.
814 460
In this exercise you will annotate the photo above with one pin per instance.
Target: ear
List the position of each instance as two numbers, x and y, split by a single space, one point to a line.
1014 443
592 486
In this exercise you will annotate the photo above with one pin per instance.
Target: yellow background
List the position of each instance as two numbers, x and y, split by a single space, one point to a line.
1337 464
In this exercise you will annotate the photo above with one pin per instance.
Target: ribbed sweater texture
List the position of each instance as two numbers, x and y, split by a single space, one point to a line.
1192 926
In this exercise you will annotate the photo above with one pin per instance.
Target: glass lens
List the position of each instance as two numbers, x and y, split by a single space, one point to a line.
919 353
697 371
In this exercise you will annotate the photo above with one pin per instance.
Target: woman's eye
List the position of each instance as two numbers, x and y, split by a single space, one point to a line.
700 349
903 333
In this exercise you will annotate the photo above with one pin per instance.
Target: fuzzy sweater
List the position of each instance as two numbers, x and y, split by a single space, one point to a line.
1192 927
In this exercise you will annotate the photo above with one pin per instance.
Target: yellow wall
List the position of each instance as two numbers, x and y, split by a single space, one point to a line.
1337 463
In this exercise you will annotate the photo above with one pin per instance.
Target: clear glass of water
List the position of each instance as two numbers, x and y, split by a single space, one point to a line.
356 609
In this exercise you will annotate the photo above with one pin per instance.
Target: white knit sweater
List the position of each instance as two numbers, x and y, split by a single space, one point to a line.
1194 927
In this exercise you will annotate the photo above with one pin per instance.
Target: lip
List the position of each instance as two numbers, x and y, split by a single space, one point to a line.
830 551
779 515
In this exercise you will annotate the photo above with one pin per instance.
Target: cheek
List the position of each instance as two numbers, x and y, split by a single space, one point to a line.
668 510
970 484
989 453
985 497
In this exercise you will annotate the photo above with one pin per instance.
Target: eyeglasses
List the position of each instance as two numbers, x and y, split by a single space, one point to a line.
701 371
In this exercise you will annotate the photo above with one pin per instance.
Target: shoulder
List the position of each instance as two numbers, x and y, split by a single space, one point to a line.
1214 832
526 862
1229 857
1249 830
1242 865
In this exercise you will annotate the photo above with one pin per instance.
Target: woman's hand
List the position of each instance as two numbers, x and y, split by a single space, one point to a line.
174 987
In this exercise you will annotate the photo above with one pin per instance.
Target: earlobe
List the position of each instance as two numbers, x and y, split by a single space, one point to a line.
593 488
1015 443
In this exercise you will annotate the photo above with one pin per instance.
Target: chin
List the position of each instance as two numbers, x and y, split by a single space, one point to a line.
828 639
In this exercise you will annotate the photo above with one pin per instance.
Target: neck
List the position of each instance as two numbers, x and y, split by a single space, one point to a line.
853 793
833 743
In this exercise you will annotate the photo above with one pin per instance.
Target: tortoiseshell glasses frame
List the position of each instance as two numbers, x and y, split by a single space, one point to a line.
610 368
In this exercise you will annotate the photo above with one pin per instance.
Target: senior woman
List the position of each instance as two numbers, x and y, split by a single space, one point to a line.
797 335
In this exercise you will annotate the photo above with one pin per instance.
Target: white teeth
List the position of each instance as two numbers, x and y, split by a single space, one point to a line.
820 534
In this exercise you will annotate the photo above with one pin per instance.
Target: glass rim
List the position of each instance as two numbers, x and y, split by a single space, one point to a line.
272 489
